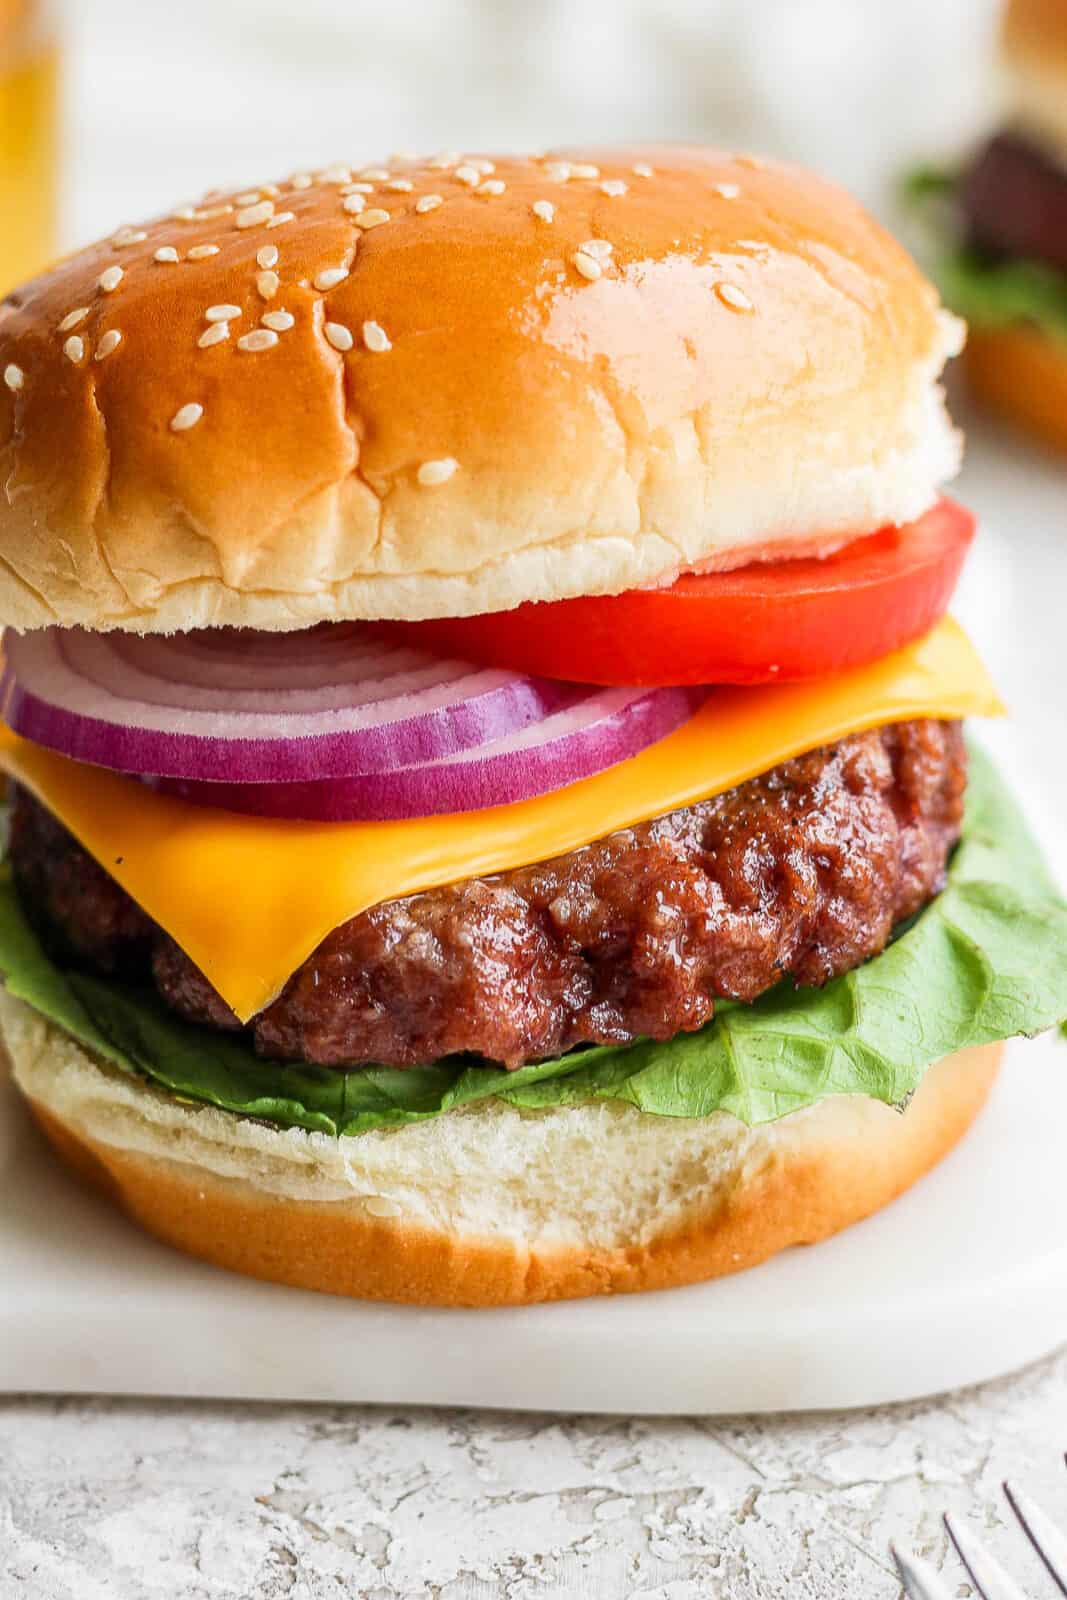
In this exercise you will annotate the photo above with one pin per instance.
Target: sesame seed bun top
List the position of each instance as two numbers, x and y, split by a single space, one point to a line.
439 387
1036 28
1034 58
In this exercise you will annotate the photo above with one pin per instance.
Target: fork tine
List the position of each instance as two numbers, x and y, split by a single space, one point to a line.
1045 1537
987 1575
920 1581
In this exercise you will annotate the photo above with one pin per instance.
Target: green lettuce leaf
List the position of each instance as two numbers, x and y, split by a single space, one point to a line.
995 294
989 293
985 961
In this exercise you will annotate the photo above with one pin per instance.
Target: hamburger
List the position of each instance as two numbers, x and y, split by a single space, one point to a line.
489 815
1002 222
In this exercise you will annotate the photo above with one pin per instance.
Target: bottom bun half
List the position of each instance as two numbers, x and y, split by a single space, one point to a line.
490 1205
1021 373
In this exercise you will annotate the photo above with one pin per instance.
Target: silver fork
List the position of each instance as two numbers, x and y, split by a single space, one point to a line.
921 1582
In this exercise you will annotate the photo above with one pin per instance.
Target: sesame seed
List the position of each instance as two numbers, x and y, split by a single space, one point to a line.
431 473
357 188
726 191
400 185
258 339
375 338
584 169
445 159
72 319
267 255
558 171
613 188
482 164
339 336
303 180
492 186
354 204
642 169
601 248
544 209
329 278
375 174
218 333
14 377
184 214
588 266
335 174
108 344
110 279
200 252
221 313
429 202
250 198
211 213
166 252
283 216
468 174
732 296
279 321
252 216
187 417
268 284
127 236
74 349
373 218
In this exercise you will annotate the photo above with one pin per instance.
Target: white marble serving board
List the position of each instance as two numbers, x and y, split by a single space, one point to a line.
963 1278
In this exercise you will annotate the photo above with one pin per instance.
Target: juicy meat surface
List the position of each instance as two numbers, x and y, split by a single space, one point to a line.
1014 200
804 870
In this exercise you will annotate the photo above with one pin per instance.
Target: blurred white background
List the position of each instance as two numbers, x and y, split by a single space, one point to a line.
168 98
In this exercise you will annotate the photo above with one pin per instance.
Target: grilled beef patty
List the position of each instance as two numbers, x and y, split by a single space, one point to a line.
1014 202
803 870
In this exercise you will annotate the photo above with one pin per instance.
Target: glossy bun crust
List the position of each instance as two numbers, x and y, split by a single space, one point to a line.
1034 58
458 408
490 1205
1035 29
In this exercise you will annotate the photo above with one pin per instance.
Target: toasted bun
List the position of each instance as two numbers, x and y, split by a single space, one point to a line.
1022 373
755 363
1034 60
1036 30
490 1205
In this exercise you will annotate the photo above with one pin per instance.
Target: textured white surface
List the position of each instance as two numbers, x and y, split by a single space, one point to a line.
127 1501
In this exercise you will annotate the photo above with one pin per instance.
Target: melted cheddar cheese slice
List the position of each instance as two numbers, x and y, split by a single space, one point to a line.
250 898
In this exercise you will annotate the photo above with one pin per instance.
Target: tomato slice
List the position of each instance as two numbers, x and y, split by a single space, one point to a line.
763 623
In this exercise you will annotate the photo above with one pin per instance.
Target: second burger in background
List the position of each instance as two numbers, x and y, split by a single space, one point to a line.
1002 260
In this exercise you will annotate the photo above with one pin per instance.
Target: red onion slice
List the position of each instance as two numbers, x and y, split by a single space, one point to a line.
243 707
604 727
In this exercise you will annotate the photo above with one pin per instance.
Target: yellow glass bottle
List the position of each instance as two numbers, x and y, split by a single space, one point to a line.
29 138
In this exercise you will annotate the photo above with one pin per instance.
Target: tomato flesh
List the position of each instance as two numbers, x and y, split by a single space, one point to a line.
768 622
